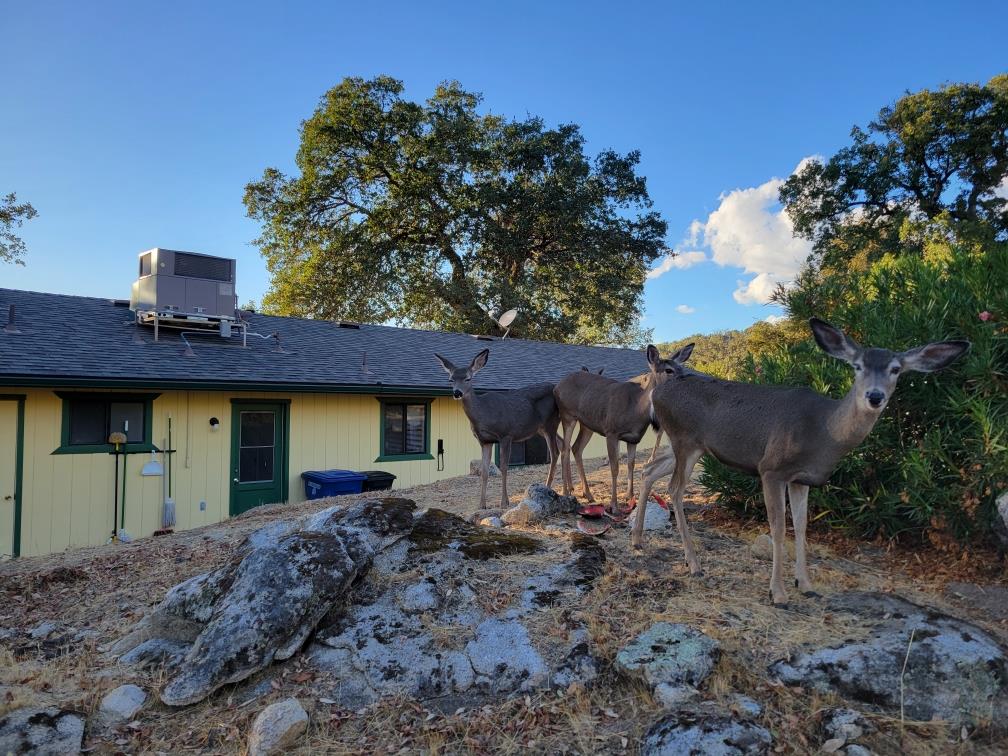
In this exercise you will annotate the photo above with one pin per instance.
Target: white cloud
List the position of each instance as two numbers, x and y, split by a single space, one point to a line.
1001 190
748 230
774 319
685 309
680 261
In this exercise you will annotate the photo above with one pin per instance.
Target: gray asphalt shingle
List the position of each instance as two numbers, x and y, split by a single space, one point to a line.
69 337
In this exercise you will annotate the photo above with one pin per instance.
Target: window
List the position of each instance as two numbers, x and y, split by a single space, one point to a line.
405 430
89 419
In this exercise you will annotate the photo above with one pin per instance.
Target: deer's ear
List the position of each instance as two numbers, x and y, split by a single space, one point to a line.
585 369
934 356
833 341
652 355
683 354
449 368
479 361
600 370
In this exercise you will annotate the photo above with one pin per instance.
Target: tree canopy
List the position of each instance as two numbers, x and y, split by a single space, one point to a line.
434 214
934 156
12 216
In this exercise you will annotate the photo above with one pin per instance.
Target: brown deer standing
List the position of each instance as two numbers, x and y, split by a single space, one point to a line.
791 437
504 417
618 410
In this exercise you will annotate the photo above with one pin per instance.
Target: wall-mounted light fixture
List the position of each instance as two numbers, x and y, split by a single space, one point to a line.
214 424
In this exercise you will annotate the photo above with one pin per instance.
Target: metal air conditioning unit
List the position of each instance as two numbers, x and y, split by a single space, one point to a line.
185 289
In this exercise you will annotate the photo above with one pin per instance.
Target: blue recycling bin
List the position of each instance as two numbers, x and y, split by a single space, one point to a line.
319 483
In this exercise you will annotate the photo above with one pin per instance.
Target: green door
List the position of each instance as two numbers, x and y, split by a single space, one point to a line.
258 455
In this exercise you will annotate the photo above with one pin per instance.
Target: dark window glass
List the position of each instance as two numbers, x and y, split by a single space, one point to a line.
93 417
405 429
256 439
127 417
88 422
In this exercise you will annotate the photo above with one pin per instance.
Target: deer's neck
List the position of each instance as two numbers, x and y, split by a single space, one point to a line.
849 424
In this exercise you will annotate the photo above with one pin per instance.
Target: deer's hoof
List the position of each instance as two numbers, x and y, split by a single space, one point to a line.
780 603
811 594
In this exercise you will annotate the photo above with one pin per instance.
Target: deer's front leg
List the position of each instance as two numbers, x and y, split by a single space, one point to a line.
565 467
505 457
683 470
654 449
773 496
612 446
631 455
487 450
551 443
798 495
662 466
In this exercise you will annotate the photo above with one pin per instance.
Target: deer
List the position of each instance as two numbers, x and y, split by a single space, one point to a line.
790 437
504 417
618 410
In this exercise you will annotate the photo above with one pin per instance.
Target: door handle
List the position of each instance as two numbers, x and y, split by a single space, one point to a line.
235 480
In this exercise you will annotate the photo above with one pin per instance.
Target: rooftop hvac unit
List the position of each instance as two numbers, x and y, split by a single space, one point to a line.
184 289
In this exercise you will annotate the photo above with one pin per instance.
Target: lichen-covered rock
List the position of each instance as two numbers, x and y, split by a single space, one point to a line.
504 656
277 728
845 724
1001 520
41 731
540 502
568 579
954 670
156 652
670 655
656 517
476 468
579 665
263 604
122 703
706 731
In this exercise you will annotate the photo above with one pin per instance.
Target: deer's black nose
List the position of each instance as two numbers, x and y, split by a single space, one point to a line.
457 394
875 398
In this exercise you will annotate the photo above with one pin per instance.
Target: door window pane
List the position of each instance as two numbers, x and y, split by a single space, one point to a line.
256 439
257 428
255 464
88 422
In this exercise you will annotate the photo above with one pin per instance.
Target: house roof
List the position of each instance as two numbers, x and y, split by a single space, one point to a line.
85 341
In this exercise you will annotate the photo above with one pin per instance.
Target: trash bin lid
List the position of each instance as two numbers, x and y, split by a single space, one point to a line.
332 476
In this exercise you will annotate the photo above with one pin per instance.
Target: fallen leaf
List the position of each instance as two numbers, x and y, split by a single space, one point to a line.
833 745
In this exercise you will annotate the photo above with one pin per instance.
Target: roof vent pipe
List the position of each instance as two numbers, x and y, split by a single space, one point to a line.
10 327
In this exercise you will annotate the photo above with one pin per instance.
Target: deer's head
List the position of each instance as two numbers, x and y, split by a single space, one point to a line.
460 378
876 371
664 368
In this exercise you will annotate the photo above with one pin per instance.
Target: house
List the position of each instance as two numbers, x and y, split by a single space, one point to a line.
245 421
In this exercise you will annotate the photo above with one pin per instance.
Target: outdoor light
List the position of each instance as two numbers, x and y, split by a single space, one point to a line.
214 424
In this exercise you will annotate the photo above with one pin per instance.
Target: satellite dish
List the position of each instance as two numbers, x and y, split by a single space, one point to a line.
507 318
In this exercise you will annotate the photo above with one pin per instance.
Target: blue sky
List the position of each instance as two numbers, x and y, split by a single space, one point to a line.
133 125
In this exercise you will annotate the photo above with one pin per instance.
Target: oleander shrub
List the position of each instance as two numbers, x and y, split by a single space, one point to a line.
938 457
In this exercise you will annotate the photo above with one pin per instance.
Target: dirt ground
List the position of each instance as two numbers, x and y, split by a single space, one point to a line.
97 593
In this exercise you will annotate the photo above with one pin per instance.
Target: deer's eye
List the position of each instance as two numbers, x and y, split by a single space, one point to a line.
894 370
857 368
668 370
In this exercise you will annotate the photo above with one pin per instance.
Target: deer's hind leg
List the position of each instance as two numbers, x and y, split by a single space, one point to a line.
583 437
550 434
657 444
487 450
505 458
565 466
798 495
631 457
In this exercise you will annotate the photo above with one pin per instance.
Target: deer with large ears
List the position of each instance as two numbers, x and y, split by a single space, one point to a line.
503 417
791 437
619 410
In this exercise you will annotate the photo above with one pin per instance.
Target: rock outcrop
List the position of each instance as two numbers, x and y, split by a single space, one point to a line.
672 659
41 731
954 671
705 730
540 502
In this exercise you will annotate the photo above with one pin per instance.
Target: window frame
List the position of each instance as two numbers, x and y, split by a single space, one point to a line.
110 397
403 402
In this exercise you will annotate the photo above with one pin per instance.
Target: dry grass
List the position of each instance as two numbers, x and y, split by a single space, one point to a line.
106 589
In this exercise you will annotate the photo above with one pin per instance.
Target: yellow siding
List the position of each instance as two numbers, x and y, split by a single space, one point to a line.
68 498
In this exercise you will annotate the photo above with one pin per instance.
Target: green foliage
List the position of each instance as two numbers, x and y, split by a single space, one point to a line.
12 215
730 354
938 458
434 214
933 154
